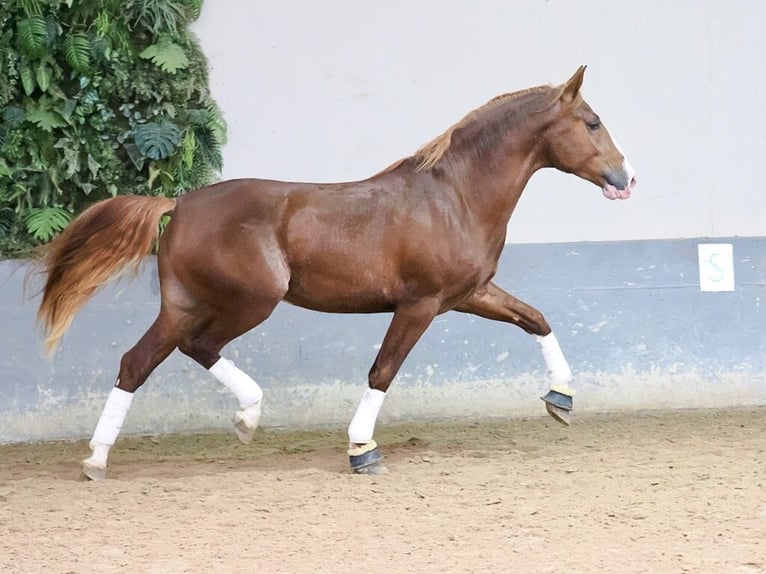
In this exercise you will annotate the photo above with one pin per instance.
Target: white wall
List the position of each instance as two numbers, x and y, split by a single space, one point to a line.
336 90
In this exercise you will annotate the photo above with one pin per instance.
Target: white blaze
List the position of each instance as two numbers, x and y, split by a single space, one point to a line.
626 167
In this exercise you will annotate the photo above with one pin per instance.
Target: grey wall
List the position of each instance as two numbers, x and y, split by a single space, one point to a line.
339 89
630 317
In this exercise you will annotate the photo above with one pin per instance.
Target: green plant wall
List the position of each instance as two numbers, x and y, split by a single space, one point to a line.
99 98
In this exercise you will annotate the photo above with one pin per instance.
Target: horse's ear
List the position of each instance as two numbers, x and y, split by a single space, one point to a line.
571 89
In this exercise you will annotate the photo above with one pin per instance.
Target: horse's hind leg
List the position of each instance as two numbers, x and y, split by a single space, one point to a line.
136 365
204 345
494 303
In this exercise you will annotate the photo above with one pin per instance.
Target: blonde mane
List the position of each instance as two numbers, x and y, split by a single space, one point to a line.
430 154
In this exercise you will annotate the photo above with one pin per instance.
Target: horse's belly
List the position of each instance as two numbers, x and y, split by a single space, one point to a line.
335 297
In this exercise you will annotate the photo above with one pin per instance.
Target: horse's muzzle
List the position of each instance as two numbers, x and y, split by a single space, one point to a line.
619 184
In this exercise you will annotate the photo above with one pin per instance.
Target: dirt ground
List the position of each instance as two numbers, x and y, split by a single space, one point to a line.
652 492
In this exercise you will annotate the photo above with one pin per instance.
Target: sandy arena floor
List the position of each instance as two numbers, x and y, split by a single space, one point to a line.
659 492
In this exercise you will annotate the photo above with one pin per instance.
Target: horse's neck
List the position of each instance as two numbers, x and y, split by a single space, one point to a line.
492 186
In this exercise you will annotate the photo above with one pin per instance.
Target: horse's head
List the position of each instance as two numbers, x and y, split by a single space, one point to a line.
578 142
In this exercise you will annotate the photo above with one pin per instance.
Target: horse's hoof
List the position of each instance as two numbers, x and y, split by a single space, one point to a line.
365 459
371 470
92 471
245 433
246 422
560 397
559 415
558 403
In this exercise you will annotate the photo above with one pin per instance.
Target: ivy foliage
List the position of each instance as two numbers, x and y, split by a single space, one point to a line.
99 98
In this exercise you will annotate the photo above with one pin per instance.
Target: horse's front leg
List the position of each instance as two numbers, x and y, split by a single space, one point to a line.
493 303
409 323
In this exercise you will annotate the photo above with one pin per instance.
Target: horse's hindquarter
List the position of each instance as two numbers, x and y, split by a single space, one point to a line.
223 240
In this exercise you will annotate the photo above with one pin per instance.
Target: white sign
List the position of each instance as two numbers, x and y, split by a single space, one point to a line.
716 261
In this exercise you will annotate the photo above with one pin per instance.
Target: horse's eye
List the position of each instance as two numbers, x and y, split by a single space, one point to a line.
594 125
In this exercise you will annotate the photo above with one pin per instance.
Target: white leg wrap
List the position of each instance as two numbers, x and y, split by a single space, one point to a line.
362 426
246 389
558 368
114 413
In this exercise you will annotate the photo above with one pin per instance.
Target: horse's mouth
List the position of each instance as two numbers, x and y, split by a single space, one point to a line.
611 192
620 183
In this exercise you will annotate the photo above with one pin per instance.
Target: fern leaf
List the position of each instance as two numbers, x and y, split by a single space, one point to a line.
194 7
33 36
77 51
216 124
168 56
102 24
31 7
13 116
209 148
188 146
43 223
6 222
157 140
160 15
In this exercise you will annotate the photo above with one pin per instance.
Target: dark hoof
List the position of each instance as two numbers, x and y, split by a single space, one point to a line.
558 403
558 399
366 459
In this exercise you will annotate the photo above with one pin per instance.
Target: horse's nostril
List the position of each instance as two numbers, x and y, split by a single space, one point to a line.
633 182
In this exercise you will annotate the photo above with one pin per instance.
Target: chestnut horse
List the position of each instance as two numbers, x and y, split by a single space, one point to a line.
420 238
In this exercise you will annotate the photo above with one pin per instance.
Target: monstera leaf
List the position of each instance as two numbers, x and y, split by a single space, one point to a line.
157 140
